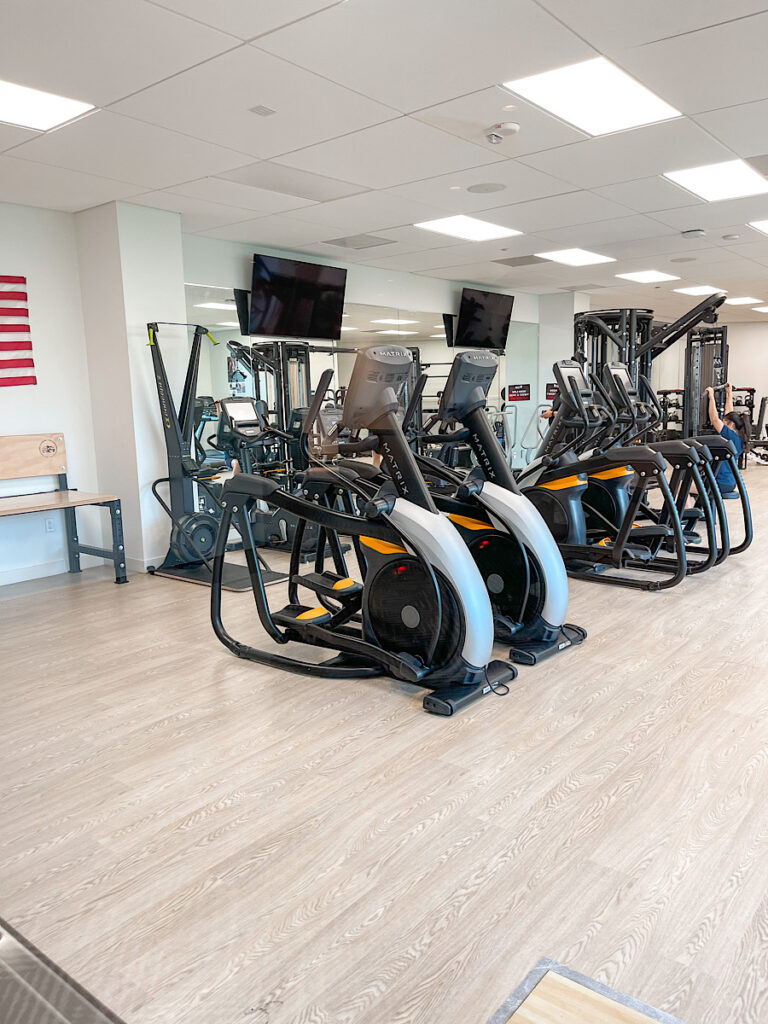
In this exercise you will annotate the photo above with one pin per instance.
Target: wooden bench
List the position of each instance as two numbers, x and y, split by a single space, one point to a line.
34 455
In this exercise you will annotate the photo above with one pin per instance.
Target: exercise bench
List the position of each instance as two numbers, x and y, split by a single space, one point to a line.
34 455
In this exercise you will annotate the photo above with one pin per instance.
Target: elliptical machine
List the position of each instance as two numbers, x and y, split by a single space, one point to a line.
510 542
421 612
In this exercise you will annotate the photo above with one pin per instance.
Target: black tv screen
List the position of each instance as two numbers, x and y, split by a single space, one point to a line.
483 319
290 299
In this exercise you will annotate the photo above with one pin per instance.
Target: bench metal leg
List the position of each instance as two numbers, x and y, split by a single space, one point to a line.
116 553
73 548
118 544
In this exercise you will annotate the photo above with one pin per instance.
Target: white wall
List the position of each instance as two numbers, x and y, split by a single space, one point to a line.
41 245
748 357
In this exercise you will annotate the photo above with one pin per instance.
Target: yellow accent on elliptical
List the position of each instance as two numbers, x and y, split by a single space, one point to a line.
468 523
611 474
384 547
312 613
562 483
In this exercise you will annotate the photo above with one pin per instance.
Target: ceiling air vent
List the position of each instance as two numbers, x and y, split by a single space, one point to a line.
522 261
360 241
263 111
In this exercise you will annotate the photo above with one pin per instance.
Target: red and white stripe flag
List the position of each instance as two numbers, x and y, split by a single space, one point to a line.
16 363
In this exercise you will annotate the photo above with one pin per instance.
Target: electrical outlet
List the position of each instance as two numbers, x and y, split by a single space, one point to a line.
49 526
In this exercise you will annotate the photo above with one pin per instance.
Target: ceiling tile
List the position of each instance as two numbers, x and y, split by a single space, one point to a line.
98 51
244 18
470 116
414 55
600 233
646 195
464 253
715 67
389 154
370 211
633 154
610 23
471 273
672 246
280 231
118 147
33 184
213 101
721 215
11 135
196 214
744 128
247 197
449 191
291 182
542 215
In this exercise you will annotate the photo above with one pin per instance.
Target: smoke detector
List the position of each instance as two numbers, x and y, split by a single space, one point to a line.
498 132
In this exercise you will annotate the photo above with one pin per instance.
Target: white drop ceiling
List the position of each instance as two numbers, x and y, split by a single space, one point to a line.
380 117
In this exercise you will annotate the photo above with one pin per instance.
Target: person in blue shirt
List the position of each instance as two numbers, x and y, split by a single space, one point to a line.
735 427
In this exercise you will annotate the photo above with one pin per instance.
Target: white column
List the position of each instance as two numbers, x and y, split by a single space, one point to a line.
556 332
131 273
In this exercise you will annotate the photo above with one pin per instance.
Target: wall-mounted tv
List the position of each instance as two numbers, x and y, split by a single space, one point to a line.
290 299
483 319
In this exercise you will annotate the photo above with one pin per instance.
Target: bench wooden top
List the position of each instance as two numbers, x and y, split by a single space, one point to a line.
17 504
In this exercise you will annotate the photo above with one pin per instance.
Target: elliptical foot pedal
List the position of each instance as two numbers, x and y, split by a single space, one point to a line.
329 584
301 614
448 700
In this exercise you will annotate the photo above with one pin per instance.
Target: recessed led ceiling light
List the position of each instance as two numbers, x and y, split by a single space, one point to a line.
648 276
469 228
595 96
437 335
349 328
215 305
399 323
574 257
396 332
760 225
760 309
746 300
455 188
31 108
700 289
228 323
731 179
345 314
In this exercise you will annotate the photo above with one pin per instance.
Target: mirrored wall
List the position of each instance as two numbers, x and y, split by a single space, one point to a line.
239 365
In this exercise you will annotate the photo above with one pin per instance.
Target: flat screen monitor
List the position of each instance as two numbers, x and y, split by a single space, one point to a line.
483 319
291 299
243 302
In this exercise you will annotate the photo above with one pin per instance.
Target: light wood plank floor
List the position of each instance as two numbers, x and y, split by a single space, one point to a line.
197 839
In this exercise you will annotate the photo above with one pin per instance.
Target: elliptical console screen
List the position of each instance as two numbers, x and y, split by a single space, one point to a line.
483 319
241 412
291 299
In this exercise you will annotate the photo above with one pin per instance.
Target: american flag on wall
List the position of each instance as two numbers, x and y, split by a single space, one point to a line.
16 363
